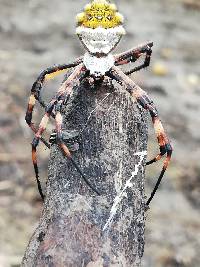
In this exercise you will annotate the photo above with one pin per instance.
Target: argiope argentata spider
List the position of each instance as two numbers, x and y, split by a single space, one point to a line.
99 28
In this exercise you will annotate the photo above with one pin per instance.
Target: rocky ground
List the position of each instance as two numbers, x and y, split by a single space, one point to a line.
35 34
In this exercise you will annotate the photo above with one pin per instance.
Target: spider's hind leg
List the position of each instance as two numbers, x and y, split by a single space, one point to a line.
37 138
64 147
145 101
68 137
63 93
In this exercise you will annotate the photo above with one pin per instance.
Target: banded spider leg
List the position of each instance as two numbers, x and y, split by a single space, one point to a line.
63 93
133 55
45 75
144 100
62 145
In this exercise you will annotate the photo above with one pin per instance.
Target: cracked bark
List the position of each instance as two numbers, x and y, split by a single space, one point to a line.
72 231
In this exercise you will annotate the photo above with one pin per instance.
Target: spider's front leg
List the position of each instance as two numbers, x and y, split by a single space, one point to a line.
46 75
63 93
143 99
133 55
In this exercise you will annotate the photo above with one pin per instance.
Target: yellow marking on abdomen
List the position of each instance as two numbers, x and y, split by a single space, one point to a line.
99 14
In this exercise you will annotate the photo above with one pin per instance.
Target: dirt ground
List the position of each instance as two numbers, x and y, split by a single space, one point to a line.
35 34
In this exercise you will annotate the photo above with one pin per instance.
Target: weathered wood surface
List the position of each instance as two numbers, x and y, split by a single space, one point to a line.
78 228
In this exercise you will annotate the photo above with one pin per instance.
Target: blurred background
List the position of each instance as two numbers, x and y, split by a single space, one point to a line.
36 34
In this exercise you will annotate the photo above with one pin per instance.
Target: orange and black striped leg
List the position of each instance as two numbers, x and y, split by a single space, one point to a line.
64 91
46 75
35 142
49 74
165 148
133 55
64 148
143 99
162 138
28 118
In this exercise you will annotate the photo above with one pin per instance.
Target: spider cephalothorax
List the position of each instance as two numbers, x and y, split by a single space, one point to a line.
100 29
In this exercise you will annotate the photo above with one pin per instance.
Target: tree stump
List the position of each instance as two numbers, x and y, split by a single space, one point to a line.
77 227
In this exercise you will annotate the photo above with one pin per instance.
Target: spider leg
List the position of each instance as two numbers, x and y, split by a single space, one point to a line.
64 91
133 55
143 99
47 74
28 118
35 142
64 148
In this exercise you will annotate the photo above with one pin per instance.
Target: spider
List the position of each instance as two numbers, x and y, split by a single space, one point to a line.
99 28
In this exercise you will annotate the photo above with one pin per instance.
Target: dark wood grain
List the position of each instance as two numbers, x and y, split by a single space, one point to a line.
74 229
